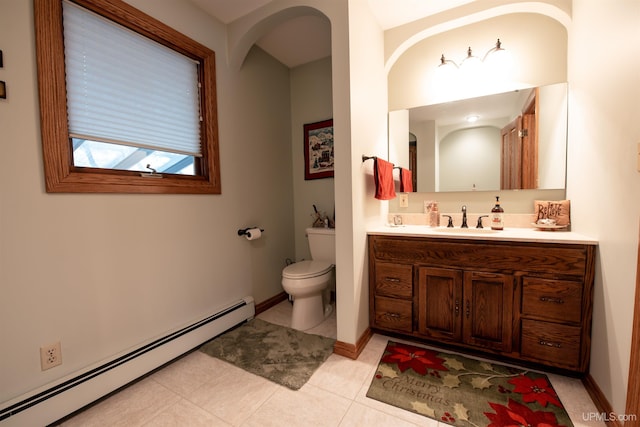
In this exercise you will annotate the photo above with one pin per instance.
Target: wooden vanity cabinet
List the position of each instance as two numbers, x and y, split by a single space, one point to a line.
526 301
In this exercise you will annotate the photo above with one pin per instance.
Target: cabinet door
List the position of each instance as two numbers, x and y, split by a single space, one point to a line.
440 303
488 309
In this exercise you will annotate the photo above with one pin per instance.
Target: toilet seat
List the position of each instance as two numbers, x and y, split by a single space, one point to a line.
306 269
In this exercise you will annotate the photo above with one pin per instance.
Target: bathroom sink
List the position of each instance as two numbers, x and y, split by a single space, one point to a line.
465 230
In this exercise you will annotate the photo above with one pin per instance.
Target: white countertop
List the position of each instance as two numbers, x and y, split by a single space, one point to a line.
508 234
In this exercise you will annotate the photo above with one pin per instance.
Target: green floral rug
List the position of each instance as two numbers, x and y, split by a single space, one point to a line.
461 391
283 355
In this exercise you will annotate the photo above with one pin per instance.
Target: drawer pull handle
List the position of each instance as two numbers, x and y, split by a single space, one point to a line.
393 315
550 344
552 299
391 279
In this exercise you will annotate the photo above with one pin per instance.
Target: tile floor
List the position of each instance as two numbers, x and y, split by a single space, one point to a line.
198 390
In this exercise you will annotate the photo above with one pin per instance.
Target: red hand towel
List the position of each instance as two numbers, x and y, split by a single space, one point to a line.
406 183
383 176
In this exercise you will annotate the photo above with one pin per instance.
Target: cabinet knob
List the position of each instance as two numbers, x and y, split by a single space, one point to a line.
468 312
457 306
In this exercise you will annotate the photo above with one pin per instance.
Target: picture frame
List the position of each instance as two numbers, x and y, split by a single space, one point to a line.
318 150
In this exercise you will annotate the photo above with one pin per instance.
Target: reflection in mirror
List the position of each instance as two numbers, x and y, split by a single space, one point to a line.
514 140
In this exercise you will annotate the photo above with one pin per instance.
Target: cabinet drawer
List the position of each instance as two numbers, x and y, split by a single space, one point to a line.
551 342
394 280
559 300
393 314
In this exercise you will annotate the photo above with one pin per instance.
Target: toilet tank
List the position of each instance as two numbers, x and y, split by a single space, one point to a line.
322 243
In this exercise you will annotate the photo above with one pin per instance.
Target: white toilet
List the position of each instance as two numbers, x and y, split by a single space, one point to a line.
307 281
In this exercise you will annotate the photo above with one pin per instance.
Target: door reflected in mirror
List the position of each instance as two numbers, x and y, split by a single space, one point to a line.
517 140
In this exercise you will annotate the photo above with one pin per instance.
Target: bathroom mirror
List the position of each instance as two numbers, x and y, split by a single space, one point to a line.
517 141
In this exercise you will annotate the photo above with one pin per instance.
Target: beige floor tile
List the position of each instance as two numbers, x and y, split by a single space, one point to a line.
374 349
361 415
280 314
188 373
576 401
133 406
342 376
234 394
185 413
309 406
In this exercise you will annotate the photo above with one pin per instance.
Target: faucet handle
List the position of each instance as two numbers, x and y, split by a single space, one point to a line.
480 221
450 223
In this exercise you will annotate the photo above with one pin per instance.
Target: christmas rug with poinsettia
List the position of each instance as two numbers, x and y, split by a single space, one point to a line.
462 391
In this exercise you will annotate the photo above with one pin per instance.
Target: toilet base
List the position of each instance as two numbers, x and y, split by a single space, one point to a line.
308 312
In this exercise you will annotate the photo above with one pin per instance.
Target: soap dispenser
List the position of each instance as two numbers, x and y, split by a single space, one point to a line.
497 216
434 215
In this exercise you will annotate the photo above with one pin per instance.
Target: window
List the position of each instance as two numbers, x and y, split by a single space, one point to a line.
127 104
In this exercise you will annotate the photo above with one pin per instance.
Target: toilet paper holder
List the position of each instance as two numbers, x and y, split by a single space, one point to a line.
243 231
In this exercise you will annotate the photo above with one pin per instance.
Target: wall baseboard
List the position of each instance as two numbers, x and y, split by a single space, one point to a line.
66 396
350 350
599 399
273 301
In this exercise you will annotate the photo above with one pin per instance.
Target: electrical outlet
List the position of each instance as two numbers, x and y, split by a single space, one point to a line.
403 200
50 356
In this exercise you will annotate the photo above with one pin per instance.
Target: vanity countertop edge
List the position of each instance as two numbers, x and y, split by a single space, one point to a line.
507 235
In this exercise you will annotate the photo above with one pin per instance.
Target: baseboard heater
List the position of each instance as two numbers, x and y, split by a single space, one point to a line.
57 401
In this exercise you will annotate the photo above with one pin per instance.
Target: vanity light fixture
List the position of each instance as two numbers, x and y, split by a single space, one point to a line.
472 61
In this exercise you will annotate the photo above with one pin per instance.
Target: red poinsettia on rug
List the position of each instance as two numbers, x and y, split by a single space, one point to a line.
535 390
417 358
516 414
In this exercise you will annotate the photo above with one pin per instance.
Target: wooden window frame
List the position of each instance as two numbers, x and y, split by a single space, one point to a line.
60 174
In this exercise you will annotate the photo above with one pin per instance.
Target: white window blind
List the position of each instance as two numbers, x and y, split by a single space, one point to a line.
126 89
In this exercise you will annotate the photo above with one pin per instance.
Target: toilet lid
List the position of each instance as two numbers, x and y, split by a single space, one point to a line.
306 269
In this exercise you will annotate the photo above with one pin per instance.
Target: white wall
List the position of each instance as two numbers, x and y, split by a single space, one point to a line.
311 102
603 182
105 273
356 206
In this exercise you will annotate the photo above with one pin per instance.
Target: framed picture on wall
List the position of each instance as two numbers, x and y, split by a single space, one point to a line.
318 150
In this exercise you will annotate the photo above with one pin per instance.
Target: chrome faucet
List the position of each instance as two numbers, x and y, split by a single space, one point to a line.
464 217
